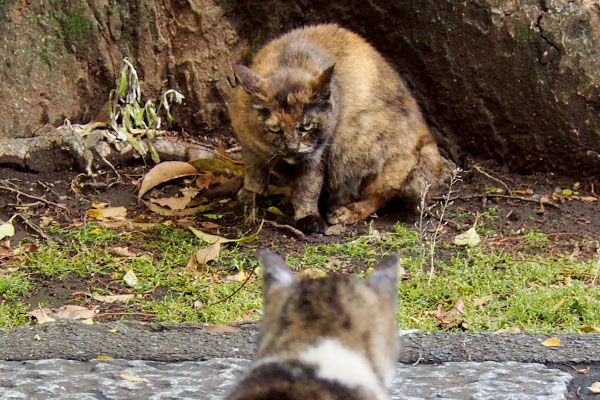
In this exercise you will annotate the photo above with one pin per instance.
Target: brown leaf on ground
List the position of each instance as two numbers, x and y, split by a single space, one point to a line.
176 203
108 213
127 225
514 329
312 273
583 371
595 388
204 181
134 378
452 317
122 252
552 342
239 277
46 314
221 329
478 302
164 172
209 253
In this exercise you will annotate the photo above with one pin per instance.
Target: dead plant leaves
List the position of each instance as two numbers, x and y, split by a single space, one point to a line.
514 329
481 301
469 238
209 253
595 388
7 230
312 273
205 181
164 172
552 342
108 213
176 213
46 314
217 166
122 252
109 299
221 329
241 276
103 357
211 239
134 378
583 371
452 317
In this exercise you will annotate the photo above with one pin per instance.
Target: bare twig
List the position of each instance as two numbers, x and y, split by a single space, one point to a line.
482 172
295 231
438 230
236 290
502 196
597 262
33 226
11 187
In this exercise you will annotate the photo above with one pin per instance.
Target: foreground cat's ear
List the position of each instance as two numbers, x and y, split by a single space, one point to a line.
320 84
249 79
385 278
275 272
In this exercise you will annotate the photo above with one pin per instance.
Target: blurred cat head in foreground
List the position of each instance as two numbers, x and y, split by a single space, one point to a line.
328 338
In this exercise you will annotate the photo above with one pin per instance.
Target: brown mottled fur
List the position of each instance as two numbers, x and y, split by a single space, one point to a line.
367 142
298 313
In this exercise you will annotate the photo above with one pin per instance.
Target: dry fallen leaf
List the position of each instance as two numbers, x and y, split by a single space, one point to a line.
206 254
217 166
583 371
452 317
45 314
103 357
239 277
588 199
37 337
112 213
478 302
175 203
130 278
552 342
595 388
134 378
127 225
6 230
469 238
514 329
312 273
589 329
164 172
122 252
221 329
111 298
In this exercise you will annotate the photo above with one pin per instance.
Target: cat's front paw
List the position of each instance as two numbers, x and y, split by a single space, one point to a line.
343 215
249 198
311 224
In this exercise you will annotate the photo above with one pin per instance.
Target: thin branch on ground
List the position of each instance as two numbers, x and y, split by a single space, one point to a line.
455 178
487 175
11 187
597 262
502 196
236 290
295 231
33 226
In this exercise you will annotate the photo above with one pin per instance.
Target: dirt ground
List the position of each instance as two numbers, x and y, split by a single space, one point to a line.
505 205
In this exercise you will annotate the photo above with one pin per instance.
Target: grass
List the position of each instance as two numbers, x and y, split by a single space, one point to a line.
530 290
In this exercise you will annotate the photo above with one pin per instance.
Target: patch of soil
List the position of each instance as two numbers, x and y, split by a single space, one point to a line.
568 223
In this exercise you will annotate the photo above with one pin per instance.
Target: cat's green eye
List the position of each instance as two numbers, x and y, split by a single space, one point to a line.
309 126
274 128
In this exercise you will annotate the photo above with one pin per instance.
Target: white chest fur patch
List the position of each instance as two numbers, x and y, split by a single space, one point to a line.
338 363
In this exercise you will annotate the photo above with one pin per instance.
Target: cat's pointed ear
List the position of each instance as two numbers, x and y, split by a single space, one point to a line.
275 272
249 79
320 84
385 277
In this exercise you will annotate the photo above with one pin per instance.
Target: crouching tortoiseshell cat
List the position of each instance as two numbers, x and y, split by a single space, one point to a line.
323 106
332 338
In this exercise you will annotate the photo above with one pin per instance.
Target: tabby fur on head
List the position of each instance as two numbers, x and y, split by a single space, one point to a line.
322 103
331 338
